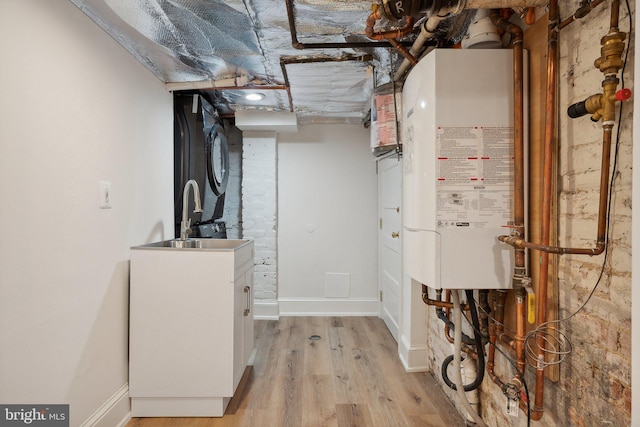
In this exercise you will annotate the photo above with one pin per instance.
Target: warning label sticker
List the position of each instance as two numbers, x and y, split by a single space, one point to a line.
383 119
474 172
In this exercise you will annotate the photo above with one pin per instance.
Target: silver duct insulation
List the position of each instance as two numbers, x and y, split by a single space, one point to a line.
178 40
200 44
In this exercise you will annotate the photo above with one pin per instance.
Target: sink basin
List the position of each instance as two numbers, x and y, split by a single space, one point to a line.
183 243
197 244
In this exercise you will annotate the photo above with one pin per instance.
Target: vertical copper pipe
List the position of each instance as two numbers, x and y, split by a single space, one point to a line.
547 179
518 128
519 271
521 315
615 16
495 328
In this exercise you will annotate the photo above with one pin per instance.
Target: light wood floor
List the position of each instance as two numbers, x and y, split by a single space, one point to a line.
351 376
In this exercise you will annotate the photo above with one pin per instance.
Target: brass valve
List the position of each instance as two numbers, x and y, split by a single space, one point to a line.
602 106
610 60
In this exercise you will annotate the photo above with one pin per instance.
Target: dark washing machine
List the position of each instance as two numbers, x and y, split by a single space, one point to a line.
201 153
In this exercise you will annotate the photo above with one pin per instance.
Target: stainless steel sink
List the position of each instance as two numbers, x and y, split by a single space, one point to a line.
191 243
201 244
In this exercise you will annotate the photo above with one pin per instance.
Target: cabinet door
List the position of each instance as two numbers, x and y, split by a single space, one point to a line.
247 348
239 305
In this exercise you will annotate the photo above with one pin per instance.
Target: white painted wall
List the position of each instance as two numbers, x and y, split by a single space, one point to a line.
75 109
327 183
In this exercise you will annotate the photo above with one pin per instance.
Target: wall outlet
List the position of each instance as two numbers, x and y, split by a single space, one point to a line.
105 195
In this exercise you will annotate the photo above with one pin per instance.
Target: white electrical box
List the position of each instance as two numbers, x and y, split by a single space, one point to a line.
458 168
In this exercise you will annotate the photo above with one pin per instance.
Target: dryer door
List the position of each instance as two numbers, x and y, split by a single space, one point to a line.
217 159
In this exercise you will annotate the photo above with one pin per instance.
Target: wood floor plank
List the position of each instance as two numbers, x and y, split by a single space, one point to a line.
353 415
345 387
375 382
293 389
351 376
317 360
318 404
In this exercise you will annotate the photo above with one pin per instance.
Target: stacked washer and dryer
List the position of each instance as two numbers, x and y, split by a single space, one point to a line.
201 153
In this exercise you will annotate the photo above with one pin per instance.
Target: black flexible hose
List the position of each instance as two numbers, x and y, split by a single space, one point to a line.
479 350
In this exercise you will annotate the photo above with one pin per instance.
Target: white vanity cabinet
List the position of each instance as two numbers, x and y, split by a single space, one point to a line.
191 327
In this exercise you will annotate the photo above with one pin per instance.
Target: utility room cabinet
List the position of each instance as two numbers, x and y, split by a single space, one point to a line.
191 327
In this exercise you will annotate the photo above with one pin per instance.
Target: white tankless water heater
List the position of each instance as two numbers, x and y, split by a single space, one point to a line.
458 168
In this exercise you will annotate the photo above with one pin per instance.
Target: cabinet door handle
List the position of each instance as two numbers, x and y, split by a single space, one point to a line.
247 300
395 234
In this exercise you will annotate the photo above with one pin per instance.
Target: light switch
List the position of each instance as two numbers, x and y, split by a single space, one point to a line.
105 195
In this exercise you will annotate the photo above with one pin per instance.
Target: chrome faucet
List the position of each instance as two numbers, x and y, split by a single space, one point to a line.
185 225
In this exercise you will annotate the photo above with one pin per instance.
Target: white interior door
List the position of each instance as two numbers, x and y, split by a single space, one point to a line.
389 240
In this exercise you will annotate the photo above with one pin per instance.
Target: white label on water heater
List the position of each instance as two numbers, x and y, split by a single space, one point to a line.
474 173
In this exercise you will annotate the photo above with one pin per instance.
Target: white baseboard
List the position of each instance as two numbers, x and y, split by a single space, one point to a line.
116 411
266 310
329 307
413 358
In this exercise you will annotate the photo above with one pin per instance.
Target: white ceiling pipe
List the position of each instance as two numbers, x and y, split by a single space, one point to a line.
429 27
426 31
208 84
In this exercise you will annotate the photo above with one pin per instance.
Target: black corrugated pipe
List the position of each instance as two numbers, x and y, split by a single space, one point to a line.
479 348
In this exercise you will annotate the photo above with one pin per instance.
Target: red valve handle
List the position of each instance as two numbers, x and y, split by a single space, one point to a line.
623 94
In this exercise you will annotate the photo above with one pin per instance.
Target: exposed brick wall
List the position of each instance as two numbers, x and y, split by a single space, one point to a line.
259 209
594 388
595 382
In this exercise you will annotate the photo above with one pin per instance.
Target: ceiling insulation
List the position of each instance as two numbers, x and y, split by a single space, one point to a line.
212 40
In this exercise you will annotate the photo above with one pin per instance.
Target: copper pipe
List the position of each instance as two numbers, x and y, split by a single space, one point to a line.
518 171
508 340
447 312
521 314
495 328
437 303
447 304
544 248
391 34
252 87
609 62
519 273
404 51
615 16
345 45
545 228
518 126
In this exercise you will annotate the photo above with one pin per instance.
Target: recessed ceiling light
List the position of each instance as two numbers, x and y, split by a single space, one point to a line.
254 97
